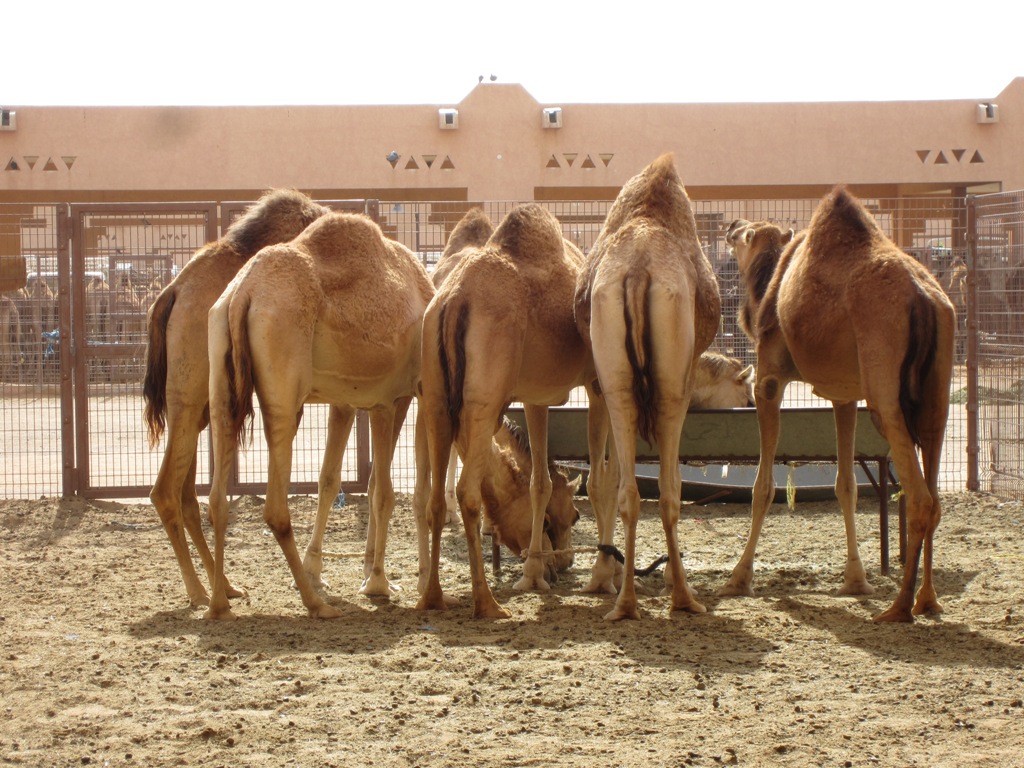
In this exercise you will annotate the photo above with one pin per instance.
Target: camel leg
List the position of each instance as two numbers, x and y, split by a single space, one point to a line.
436 433
540 494
167 496
223 462
669 502
470 502
768 399
931 451
449 487
855 580
280 427
384 422
478 430
602 488
920 513
339 428
374 537
420 503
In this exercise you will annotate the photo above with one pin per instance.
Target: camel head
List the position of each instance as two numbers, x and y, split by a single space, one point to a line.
749 240
722 382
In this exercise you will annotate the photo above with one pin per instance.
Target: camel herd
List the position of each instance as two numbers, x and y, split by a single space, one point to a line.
296 304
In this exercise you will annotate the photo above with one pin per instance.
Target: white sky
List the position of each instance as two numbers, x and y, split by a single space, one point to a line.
209 52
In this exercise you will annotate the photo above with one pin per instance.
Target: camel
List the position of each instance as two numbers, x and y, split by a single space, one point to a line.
333 316
499 329
721 381
840 307
505 489
176 381
10 338
647 305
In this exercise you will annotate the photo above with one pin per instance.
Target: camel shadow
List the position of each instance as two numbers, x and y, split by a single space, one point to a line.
928 642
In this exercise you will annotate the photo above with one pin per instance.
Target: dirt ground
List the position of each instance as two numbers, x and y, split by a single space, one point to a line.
104 664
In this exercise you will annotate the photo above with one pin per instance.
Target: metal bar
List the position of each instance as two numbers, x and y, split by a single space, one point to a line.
973 443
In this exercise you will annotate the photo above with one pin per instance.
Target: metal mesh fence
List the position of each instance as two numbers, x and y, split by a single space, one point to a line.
998 285
137 252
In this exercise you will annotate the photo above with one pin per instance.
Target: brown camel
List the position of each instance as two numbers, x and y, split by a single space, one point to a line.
647 304
499 329
334 316
842 308
722 382
176 382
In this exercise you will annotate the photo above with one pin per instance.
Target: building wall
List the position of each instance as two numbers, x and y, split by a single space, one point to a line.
500 151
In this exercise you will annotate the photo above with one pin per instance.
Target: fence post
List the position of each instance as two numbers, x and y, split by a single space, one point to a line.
973 446
69 467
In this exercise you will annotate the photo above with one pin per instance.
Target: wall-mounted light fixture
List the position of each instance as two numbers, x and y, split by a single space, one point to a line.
552 117
448 119
987 112
8 120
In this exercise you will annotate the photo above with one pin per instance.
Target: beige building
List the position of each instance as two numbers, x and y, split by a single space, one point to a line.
499 143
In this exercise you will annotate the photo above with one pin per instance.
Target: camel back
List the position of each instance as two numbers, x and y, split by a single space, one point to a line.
277 217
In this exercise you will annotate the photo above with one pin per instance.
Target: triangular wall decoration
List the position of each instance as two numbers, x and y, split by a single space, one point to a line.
941 159
977 158
12 166
68 161
50 165
553 163
588 163
958 154
923 154
606 157
570 158
447 165
429 160
31 160
412 165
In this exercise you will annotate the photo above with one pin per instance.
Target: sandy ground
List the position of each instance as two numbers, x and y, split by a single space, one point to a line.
104 664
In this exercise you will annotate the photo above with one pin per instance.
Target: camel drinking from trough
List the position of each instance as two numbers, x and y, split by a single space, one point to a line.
500 329
176 382
647 305
334 316
842 308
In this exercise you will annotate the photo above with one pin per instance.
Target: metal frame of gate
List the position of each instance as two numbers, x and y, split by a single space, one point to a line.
85 354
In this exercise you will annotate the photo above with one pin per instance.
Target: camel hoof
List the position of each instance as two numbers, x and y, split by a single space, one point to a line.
221 614
378 586
434 600
733 589
324 611
199 601
534 584
692 606
493 611
618 613
929 607
856 588
234 592
599 586
894 615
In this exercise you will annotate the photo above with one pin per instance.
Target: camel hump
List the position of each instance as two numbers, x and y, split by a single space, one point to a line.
529 232
473 230
841 219
656 193
277 217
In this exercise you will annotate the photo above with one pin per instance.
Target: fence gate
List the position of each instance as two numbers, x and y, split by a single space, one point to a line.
122 256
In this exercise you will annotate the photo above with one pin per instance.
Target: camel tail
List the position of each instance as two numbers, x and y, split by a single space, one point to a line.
154 382
451 348
238 364
918 363
635 290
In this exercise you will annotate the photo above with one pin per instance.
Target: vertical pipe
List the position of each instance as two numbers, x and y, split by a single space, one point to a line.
973 446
